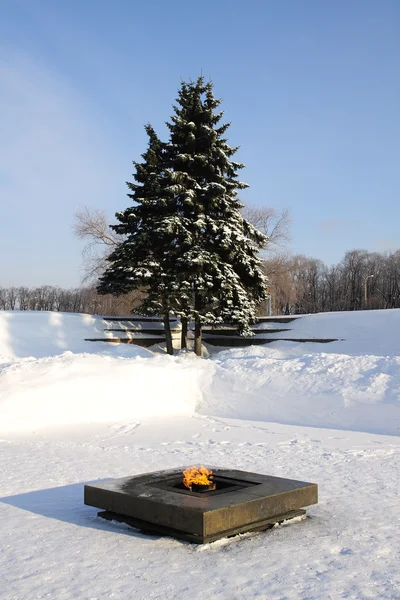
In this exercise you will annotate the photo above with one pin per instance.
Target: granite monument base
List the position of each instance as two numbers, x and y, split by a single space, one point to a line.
242 501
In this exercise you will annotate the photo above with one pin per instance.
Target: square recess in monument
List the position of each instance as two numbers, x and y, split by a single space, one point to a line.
159 503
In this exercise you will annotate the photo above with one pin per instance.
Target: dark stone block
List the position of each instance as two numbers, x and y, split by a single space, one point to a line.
151 528
242 501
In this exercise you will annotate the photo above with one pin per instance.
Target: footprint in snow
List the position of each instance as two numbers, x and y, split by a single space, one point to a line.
341 551
289 443
118 429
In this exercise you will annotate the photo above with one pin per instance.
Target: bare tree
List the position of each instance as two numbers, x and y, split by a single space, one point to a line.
388 281
91 226
354 269
330 296
23 297
44 298
12 296
307 275
272 223
3 299
281 284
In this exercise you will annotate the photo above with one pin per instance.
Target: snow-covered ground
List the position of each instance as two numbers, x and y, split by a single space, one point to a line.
73 412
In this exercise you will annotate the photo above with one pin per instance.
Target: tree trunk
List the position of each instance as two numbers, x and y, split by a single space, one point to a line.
184 332
197 337
168 334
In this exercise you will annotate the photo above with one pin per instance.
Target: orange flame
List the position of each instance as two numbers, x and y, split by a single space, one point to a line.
198 475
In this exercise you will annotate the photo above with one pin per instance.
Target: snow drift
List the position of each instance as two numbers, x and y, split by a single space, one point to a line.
50 376
87 388
287 384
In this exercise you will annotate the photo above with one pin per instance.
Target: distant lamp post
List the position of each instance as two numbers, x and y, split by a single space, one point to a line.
95 305
269 298
366 290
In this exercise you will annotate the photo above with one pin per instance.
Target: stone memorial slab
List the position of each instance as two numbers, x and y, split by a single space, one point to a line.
241 501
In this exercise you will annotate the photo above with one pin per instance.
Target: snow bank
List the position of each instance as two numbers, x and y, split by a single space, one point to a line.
287 384
85 388
40 334
360 332
50 376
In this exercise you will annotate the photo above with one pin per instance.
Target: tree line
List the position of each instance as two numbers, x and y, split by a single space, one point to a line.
362 280
298 284
83 299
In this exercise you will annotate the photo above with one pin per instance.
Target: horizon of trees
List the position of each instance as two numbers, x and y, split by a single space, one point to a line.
83 299
362 280
299 284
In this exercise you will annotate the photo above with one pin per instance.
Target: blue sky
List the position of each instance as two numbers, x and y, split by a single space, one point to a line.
312 89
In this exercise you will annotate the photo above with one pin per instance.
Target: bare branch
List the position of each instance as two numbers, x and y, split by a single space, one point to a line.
91 226
272 223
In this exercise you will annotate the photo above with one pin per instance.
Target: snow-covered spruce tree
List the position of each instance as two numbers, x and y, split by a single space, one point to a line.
147 255
220 264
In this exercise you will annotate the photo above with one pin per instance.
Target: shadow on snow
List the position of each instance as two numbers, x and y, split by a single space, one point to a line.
65 503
